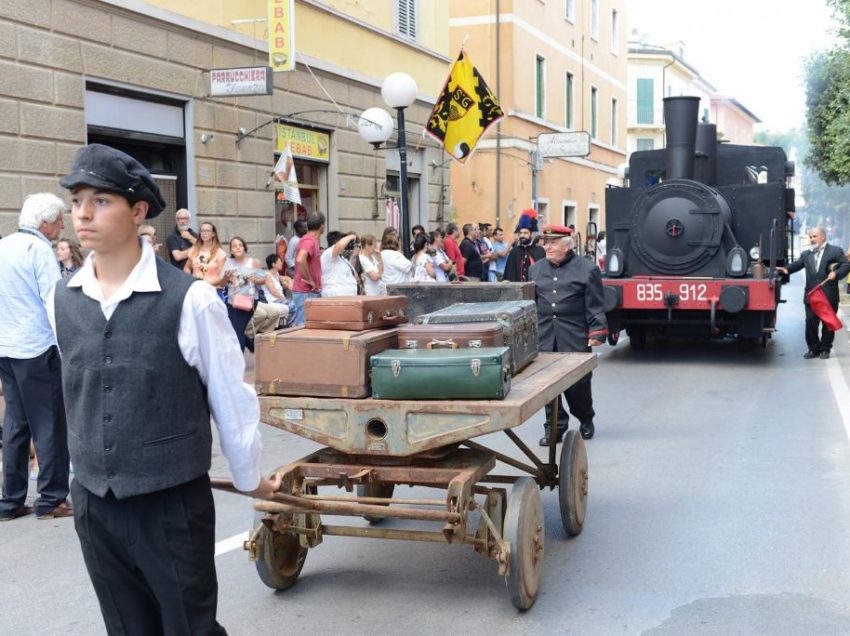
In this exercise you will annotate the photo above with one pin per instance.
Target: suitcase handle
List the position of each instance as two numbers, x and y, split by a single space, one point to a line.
442 344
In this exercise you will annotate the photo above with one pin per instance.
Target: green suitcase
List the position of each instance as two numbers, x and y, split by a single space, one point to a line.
442 374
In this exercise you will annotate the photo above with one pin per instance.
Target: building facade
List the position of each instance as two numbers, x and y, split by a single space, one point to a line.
735 122
556 67
135 74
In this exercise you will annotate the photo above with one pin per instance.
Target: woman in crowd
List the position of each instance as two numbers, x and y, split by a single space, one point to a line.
339 276
207 258
442 265
372 266
423 266
397 269
243 274
69 256
276 283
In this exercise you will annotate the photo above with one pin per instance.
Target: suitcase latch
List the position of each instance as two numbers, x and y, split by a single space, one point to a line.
411 344
475 344
370 317
475 365
396 367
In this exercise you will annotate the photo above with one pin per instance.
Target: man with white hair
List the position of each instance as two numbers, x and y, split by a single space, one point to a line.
181 240
570 318
30 365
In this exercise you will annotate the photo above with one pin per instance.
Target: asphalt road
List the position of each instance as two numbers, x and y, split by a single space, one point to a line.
718 505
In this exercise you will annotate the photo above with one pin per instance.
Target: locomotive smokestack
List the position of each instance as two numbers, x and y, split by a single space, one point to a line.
680 119
706 152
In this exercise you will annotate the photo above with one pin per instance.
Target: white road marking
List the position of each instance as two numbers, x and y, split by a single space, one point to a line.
230 544
839 385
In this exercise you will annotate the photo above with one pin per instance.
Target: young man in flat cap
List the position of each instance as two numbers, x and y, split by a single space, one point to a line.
148 354
570 318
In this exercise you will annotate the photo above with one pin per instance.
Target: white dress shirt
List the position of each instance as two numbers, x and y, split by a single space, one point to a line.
338 276
397 269
208 343
29 273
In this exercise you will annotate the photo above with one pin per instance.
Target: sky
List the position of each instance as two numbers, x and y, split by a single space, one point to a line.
752 50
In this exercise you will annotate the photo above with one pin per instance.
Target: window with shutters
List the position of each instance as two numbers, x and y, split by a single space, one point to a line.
614 116
570 10
615 31
540 88
568 100
594 112
405 18
594 19
645 106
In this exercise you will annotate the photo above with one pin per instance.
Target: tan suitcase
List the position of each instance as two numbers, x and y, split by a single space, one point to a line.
355 313
318 362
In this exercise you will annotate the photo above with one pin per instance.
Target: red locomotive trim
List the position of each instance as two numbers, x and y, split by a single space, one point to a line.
693 293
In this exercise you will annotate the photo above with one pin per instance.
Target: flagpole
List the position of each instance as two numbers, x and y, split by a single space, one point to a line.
402 158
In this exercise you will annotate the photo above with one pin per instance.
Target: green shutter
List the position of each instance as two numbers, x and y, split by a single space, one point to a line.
645 91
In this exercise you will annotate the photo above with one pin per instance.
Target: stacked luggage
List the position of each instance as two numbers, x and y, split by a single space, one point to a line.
357 346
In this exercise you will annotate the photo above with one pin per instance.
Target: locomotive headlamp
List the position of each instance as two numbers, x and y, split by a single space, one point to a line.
755 253
736 262
614 262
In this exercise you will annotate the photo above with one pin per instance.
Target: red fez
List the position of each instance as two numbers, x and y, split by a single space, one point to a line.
556 231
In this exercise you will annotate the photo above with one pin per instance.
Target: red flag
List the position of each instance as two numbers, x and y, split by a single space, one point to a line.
823 309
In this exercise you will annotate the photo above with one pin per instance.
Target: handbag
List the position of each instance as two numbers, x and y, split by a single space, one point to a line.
242 302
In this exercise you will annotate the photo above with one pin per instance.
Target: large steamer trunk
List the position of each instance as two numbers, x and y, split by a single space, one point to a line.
518 319
355 313
443 374
424 298
318 362
474 335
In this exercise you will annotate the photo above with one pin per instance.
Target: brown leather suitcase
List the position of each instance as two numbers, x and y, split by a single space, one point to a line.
355 313
318 362
460 336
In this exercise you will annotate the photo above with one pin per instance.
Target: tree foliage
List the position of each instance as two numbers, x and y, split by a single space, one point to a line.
828 114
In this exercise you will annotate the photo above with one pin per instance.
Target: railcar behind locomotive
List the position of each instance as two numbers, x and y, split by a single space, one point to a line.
695 236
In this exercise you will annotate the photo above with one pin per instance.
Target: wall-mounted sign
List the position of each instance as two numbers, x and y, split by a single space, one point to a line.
566 144
250 80
305 143
282 35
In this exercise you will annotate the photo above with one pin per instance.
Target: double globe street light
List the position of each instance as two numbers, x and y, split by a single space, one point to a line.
376 125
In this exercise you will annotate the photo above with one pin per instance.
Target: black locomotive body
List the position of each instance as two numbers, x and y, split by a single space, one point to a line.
695 236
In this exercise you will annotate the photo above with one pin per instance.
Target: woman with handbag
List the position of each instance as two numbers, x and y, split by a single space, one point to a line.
207 257
242 275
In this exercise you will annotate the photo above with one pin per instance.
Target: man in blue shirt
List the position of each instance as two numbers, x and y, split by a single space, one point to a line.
29 364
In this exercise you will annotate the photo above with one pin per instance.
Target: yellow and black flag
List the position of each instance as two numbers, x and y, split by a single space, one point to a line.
464 111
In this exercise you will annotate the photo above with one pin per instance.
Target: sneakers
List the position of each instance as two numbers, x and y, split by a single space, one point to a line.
824 355
811 354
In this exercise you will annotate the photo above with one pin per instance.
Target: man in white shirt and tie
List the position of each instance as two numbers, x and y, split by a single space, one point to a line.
823 262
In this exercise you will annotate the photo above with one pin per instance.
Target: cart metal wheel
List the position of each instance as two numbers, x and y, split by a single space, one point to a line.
373 489
280 556
524 531
572 483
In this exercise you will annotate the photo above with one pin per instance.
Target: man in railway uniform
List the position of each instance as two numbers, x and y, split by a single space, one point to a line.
570 318
147 355
823 262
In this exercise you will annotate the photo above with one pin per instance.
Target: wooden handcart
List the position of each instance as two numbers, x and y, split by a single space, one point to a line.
374 445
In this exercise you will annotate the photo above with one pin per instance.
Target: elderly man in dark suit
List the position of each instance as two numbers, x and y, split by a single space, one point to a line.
823 262
570 318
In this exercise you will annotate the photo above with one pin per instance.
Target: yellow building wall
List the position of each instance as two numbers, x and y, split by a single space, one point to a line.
337 40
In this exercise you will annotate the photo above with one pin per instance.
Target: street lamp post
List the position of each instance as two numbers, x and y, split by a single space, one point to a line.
399 91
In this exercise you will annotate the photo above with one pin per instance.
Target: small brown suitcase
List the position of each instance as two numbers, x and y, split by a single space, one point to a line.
318 362
355 313
464 335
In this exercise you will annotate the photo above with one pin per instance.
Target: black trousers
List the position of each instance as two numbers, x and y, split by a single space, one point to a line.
239 319
818 337
34 410
579 398
151 558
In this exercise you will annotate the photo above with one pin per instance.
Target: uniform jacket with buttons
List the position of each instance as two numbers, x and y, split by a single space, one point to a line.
569 303
832 255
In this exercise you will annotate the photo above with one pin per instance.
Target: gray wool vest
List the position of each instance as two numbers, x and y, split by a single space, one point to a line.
138 419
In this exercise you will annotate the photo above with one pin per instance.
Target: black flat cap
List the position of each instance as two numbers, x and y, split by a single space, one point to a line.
108 169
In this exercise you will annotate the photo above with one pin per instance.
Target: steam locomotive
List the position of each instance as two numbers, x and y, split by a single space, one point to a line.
695 236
